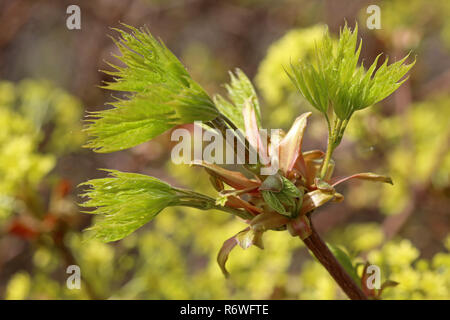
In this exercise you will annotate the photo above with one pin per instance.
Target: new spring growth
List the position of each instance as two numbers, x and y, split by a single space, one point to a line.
162 95
334 83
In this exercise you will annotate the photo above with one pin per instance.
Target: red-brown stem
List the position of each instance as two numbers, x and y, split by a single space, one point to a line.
320 250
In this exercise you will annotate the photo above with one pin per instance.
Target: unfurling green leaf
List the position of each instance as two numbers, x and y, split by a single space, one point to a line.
295 197
273 202
242 94
126 201
336 80
161 95
282 195
290 189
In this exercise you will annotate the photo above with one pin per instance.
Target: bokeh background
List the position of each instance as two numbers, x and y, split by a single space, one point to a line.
49 76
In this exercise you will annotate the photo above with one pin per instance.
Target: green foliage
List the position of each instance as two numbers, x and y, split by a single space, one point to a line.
290 189
126 201
148 266
127 205
336 80
273 202
241 93
287 200
161 95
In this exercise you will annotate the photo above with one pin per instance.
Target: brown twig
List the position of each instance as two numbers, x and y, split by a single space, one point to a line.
320 250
